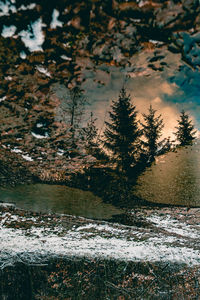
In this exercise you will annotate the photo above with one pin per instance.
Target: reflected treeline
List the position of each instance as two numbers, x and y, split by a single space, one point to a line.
125 149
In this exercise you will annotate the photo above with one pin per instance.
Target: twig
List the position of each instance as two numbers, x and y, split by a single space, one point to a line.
128 292
154 280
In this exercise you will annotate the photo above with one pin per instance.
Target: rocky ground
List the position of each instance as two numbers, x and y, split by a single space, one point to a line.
158 239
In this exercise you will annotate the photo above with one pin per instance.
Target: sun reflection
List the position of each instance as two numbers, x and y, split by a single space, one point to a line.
174 178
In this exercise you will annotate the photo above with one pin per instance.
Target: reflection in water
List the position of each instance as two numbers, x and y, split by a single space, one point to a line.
58 199
174 178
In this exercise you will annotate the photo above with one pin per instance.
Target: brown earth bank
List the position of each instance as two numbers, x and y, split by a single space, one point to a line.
15 170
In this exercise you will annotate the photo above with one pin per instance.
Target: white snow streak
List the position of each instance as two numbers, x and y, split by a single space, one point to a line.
66 57
173 226
91 240
16 150
30 6
39 136
3 98
27 157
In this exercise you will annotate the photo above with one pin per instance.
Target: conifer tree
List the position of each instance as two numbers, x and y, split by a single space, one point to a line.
122 133
185 133
152 131
92 143
90 132
166 147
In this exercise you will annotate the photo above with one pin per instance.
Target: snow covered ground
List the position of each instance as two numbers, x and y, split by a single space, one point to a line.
33 237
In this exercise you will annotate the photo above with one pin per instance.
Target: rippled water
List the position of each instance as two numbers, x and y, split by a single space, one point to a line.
174 178
58 199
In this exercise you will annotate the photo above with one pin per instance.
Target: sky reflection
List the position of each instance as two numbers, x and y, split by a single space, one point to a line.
170 91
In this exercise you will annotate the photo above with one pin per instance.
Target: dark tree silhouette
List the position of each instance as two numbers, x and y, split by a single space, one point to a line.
185 133
166 147
90 132
122 133
76 106
92 143
152 131
76 109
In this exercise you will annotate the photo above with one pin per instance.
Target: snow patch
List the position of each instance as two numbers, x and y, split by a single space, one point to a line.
8 78
103 240
2 98
15 243
8 31
23 55
67 45
105 228
6 7
136 20
39 125
16 150
30 6
43 70
5 204
27 157
156 42
39 136
24 156
33 40
60 152
142 3
173 226
55 22
66 57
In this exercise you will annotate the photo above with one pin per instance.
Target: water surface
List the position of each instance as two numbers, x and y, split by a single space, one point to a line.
58 199
174 178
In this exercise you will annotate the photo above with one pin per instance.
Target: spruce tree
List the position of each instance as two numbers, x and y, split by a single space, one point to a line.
122 133
185 133
92 144
152 131
90 133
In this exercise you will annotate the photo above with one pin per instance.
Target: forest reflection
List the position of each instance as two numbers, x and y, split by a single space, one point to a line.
174 178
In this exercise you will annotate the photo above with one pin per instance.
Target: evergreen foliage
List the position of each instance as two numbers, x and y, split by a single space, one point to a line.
92 144
166 147
122 133
90 132
185 133
152 131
